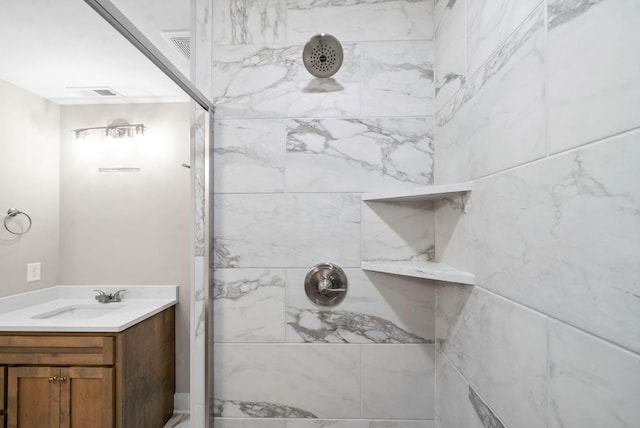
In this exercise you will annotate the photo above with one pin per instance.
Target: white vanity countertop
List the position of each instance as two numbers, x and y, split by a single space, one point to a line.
36 310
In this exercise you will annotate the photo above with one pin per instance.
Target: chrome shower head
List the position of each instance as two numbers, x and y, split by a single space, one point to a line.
322 55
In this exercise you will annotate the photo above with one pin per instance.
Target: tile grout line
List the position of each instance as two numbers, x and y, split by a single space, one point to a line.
471 385
560 321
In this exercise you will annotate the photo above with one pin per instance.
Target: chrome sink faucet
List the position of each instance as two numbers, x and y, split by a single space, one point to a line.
103 297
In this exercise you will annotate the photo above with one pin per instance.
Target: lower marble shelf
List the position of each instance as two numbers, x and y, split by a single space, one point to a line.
427 270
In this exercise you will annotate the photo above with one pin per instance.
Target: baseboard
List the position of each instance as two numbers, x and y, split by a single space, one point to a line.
181 402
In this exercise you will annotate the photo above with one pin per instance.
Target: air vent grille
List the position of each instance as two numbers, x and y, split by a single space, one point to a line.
94 92
183 44
105 92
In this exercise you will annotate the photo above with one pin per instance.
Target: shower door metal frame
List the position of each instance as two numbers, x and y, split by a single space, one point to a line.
110 13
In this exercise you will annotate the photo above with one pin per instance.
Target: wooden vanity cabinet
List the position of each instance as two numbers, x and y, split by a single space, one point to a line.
97 380
56 396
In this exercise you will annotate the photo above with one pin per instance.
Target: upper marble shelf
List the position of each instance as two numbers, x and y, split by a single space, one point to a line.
429 193
427 270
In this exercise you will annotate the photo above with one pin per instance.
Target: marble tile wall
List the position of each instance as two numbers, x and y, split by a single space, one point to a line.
538 109
291 157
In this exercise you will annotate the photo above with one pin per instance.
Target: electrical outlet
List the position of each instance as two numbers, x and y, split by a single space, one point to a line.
33 272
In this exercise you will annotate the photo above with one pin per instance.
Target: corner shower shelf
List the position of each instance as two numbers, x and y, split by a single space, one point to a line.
428 270
429 193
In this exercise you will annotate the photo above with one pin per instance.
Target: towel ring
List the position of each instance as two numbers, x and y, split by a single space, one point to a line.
12 213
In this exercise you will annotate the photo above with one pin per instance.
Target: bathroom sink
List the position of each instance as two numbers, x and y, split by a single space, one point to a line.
77 312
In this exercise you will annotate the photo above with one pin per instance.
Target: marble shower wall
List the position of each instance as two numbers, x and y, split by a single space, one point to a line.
537 104
292 155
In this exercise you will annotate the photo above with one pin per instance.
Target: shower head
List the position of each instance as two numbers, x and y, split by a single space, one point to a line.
322 55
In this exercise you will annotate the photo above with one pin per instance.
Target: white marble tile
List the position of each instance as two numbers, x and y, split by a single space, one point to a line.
249 156
360 20
452 299
290 381
358 155
402 424
271 81
201 47
454 407
593 84
248 423
451 235
358 423
591 382
198 341
397 231
498 117
569 229
489 23
450 49
451 159
248 305
248 22
501 349
286 230
398 79
199 129
378 308
326 423
398 381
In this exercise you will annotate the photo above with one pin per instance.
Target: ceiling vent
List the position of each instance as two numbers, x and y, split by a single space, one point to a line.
179 40
95 92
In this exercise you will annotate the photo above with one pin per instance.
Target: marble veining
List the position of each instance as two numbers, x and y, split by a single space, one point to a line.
359 154
407 303
486 415
398 231
311 379
450 49
492 67
286 230
398 79
489 23
260 409
238 289
249 21
360 20
243 145
592 383
310 4
561 11
587 107
471 141
271 81
508 368
534 228
314 325
198 173
248 305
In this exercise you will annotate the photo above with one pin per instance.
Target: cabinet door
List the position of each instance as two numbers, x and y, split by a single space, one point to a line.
86 397
33 397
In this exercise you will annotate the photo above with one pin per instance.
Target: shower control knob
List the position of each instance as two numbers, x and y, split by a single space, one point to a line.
326 284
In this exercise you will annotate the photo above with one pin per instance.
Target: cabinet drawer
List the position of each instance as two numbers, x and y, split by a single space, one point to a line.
67 350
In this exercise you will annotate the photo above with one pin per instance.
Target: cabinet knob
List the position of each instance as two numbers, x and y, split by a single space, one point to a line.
63 379
52 379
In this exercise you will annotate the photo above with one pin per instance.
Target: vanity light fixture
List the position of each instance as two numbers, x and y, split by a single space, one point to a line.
114 131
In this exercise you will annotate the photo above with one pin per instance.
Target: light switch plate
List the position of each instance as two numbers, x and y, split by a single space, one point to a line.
33 272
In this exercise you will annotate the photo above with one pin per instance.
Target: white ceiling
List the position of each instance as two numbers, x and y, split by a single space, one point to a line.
53 47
